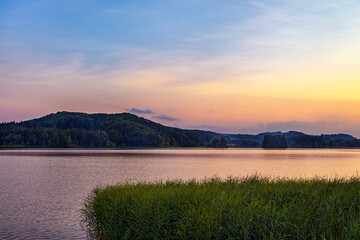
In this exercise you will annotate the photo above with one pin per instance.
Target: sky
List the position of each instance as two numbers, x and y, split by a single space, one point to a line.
226 66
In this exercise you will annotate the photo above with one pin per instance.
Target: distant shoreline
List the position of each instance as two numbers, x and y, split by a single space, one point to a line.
129 131
146 147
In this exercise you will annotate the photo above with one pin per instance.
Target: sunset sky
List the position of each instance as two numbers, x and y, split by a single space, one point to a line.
226 66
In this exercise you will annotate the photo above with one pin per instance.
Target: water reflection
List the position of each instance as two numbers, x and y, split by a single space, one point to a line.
41 191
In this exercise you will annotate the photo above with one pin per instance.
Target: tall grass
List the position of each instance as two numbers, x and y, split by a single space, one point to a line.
247 208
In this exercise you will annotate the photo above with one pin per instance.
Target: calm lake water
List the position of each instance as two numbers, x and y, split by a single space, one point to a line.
42 191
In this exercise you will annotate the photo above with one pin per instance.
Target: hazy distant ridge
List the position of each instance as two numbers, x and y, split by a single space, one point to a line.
296 140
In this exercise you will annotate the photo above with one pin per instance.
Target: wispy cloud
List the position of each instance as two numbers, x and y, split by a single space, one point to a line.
165 117
140 111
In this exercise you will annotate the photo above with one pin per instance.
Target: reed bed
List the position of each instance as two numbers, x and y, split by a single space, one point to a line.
246 208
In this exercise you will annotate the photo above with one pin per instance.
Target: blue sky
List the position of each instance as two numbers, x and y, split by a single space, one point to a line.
192 63
61 29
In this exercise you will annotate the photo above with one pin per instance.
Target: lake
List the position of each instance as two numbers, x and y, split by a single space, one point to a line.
42 191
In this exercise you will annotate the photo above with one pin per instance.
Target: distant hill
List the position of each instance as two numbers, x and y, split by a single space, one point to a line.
274 141
249 140
72 129
341 137
295 140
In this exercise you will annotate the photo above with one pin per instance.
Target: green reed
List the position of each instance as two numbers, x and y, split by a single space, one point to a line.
247 208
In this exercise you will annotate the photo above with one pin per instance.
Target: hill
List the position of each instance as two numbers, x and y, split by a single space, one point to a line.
295 140
70 129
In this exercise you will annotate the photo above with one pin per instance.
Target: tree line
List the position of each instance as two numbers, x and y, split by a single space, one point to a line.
66 129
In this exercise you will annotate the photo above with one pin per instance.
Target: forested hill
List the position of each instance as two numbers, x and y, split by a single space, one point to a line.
69 129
